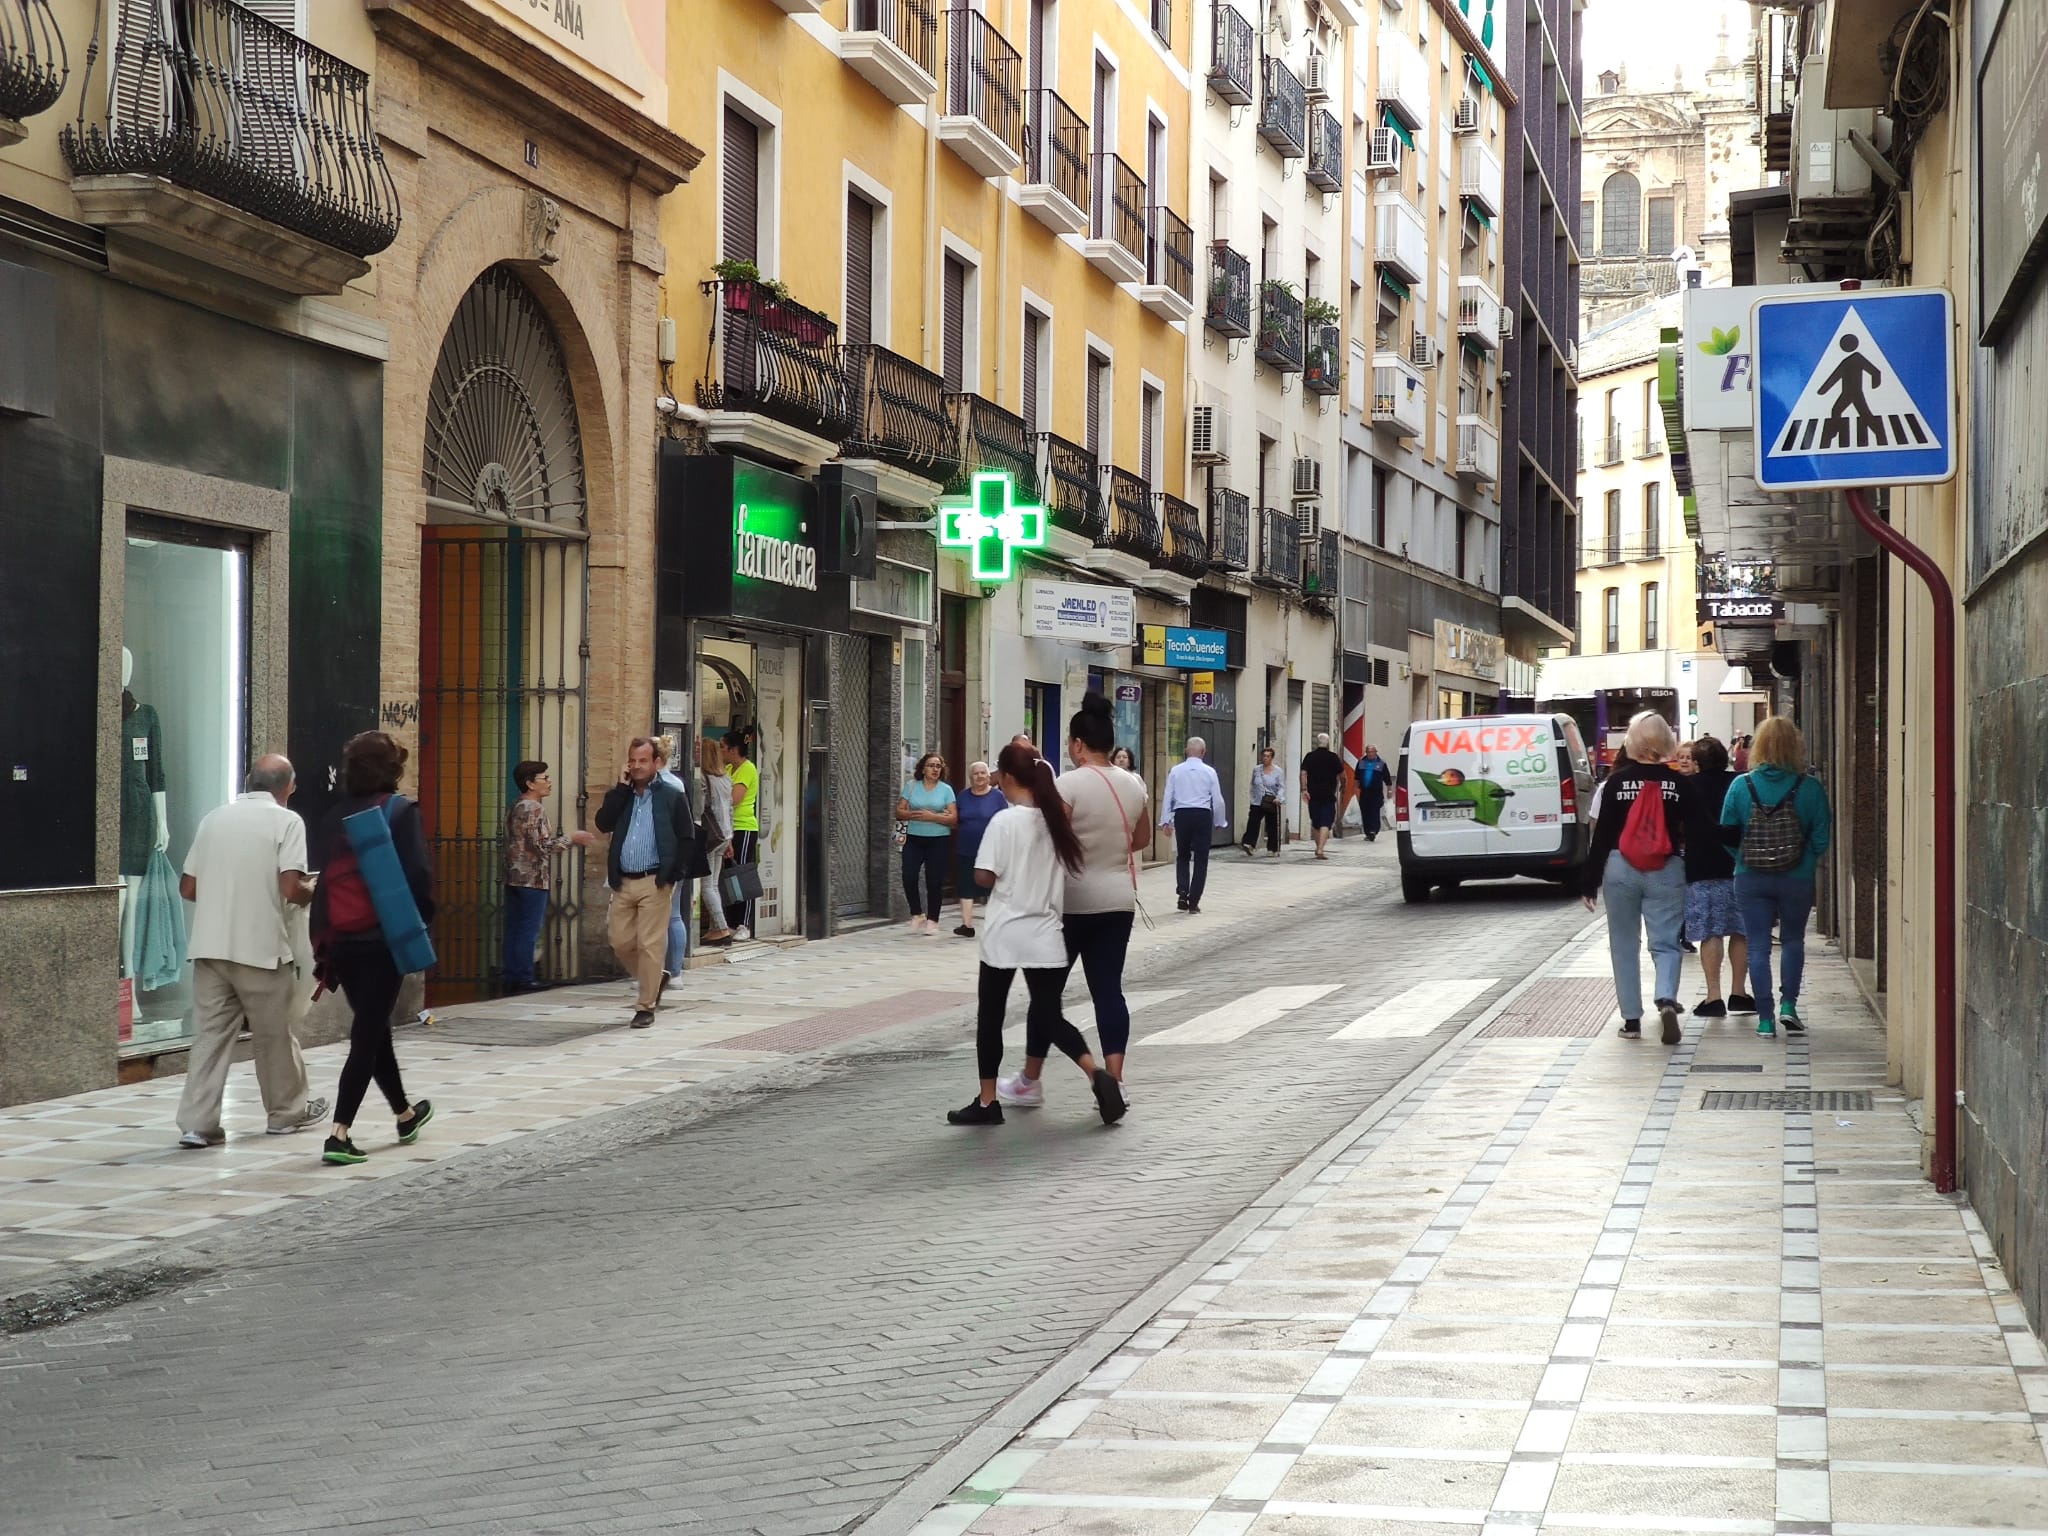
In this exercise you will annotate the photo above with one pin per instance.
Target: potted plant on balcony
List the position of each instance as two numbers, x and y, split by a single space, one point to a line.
1273 327
744 281
1320 312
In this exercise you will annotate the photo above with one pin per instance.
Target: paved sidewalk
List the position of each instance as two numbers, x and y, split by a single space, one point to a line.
96 1179
1559 1287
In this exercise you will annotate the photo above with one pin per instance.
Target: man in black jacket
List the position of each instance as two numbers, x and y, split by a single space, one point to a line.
653 835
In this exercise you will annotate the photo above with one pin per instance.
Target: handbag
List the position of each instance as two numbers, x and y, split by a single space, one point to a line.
398 915
1130 853
740 883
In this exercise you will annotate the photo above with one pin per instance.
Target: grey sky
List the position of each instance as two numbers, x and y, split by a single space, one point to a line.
1654 37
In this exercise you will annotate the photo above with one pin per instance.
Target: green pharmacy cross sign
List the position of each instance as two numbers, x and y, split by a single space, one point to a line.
991 526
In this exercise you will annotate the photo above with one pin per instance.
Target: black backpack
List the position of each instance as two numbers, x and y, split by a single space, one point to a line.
1774 839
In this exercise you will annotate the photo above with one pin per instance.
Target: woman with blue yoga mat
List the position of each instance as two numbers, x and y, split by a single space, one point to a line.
369 917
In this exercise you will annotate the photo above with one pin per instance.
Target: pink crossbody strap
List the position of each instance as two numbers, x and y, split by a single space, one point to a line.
1130 853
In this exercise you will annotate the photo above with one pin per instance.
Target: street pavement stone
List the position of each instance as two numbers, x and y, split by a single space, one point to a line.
760 1305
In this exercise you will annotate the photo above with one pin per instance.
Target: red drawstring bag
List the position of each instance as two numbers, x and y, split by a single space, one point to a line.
1645 838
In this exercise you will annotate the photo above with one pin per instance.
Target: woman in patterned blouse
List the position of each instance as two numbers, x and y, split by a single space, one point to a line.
530 849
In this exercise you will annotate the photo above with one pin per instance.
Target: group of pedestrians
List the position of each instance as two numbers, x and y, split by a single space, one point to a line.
1687 848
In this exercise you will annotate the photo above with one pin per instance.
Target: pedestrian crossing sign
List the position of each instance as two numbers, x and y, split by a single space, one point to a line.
1854 389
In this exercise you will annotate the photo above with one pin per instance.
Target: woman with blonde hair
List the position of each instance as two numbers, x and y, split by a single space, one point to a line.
1776 819
1643 873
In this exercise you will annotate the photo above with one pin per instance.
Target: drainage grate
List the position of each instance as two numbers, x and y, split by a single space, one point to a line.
1747 1066
1786 1100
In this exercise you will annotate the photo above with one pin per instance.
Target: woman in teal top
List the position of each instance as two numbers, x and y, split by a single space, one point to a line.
1780 894
927 810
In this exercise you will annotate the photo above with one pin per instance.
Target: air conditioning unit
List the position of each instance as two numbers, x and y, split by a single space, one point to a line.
1316 81
1507 324
1385 154
1309 518
1308 479
1209 436
1467 119
1422 351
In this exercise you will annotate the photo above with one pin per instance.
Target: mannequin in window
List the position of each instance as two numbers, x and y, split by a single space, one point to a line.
145 812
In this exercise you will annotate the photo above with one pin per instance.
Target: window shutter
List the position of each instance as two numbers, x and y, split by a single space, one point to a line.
742 233
283 12
270 102
954 365
1032 325
1145 436
859 328
1094 443
1035 57
139 94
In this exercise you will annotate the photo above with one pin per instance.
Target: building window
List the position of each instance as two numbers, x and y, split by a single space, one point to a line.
1578 623
1151 427
1098 406
1032 405
1162 21
1379 507
1586 227
1653 517
740 231
1459 537
863 220
1613 511
1663 228
1650 627
1611 602
954 323
1621 216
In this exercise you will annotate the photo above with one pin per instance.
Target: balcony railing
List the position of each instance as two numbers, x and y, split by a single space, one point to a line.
773 356
1319 568
1610 447
898 413
1614 552
1400 399
984 76
1650 444
912 25
1133 517
1283 111
1072 488
988 437
1170 252
34 63
1478 450
1324 370
1400 238
1119 204
1279 549
1230 58
1056 148
1280 342
213 98
1325 151
1187 549
1230 529
1478 313
1230 292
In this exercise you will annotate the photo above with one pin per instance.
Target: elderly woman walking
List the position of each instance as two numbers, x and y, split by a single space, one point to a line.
977 806
1777 820
1637 858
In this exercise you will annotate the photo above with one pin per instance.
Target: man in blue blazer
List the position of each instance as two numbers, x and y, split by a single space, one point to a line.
653 837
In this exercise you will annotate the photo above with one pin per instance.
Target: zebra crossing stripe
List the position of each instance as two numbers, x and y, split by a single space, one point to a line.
1422 1010
1235 1020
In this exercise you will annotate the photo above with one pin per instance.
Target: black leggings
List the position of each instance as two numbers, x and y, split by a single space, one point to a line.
1100 941
370 983
1045 984
1270 814
928 854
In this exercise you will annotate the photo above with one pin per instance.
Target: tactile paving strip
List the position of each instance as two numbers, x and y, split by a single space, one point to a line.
1571 1007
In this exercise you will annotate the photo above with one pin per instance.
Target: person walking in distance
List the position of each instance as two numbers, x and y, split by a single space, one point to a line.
745 775
1372 778
1268 785
1194 809
357 958
715 824
977 808
651 829
1713 919
1121 758
1107 807
1776 818
530 851
244 874
1636 858
1322 775
927 808
1028 853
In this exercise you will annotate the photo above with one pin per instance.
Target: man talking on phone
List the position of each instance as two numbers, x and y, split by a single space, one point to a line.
652 830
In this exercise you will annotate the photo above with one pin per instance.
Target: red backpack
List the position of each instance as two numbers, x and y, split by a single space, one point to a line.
349 908
1645 838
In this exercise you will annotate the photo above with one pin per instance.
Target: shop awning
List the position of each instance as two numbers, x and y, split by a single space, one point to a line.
1400 128
1393 284
1478 213
1479 71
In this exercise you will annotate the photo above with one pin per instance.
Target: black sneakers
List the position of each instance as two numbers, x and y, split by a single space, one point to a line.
1741 1002
976 1113
1109 1097
409 1130
963 931
1182 903
341 1150
1667 1014
643 1019
1631 1029
1712 1008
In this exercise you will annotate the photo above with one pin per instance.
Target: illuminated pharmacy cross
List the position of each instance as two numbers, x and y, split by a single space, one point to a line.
993 526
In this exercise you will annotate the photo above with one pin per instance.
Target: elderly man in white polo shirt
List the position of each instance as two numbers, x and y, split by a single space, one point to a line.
246 867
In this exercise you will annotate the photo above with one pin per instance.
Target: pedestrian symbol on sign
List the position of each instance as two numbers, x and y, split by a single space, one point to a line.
1870 409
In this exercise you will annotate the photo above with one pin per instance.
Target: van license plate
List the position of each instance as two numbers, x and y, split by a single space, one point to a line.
1447 813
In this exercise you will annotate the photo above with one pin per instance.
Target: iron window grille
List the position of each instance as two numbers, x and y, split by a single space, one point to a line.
1170 252
984 76
1230 292
1187 547
989 437
1056 148
1119 212
1230 529
1283 111
1133 519
1072 487
898 413
34 62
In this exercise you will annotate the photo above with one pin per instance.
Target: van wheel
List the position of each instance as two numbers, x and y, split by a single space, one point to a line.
1414 888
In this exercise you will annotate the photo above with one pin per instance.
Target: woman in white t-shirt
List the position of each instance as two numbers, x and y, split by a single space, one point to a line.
1027 854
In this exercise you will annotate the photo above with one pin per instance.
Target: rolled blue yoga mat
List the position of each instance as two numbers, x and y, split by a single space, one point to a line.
398 915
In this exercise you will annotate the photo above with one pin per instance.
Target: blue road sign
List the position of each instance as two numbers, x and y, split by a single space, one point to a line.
1854 388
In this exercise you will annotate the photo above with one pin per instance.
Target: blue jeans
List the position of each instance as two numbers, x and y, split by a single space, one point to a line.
526 908
678 930
1787 901
1639 899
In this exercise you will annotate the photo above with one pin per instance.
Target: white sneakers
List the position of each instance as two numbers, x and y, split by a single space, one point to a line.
1021 1091
917 923
741 934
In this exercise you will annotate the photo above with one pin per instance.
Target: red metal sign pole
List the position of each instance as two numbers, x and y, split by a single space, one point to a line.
1945 1021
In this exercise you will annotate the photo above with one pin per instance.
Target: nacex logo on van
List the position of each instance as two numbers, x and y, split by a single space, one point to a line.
1488 738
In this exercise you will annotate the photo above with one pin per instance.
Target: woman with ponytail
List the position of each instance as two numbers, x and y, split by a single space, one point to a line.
1027 854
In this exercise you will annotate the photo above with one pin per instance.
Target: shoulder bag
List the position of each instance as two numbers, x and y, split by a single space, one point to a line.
1130 853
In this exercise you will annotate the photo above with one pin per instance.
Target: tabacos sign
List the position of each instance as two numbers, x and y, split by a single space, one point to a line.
1732 607
770 557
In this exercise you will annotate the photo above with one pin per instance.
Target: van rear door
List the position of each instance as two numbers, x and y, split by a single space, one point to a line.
1529 756
1452 803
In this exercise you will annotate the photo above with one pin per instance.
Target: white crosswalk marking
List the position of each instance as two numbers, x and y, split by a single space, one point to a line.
1082 1016
1419 1011
1233 1021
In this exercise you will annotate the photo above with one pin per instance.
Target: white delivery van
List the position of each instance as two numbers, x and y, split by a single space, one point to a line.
1488 797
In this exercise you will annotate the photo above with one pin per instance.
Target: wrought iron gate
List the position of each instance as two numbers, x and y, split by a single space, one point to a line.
503 625
852 837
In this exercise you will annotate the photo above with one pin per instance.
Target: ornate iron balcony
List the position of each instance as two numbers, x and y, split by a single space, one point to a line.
1280 328
1325 151
898 413
1133 520
34 63
771 355
1119 204
213 98
1056 148
1187 548
1283 111
1230 292
1230 57
1279 550
988 437
1072 487
984 75
1324 372
1230 529
1170 252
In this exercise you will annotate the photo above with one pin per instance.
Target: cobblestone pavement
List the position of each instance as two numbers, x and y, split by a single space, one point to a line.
1562 1287
759 1304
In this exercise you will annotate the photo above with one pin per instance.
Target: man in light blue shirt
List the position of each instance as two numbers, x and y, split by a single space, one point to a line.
1191 811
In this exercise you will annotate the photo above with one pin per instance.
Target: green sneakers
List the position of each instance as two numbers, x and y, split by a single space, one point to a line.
1788 1016
409 1130
1766 1027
